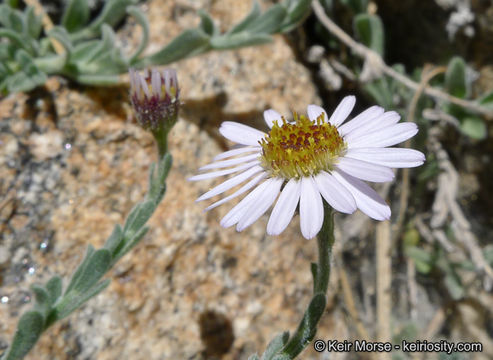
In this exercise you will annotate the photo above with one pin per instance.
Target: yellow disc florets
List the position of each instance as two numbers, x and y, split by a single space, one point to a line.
302 148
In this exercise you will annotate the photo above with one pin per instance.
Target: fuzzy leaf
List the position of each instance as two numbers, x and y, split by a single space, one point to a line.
33 23
75 15
455 77
134 240
423 260
207 23
138 217
97 265
269 22
487 100
67 307
157 184
119 63
42 297
115 239
370 30
306 330
107 42
474 127
275 345
80 269
189 42
101 58
297 11
7 51
28 78
234 41
98 80
3 70
142 21
113 12
54 288
253 357
28 331
164 167
16 21
150 177
60 34
20 81
15 38
245 23
5 11
85 50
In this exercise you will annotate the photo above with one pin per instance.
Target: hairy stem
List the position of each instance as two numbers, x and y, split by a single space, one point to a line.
321 274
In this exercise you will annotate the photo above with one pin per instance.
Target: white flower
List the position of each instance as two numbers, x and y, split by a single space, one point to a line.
307 160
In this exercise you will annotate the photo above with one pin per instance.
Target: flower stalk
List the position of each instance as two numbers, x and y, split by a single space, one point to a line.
161 137
283 347
321 274
325 241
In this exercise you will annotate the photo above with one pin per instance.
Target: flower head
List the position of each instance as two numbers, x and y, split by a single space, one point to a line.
155 98
310 158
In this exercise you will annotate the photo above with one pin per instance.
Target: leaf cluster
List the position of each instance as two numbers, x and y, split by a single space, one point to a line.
87 51
434 260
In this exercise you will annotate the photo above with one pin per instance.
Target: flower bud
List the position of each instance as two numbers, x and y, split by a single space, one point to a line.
155 98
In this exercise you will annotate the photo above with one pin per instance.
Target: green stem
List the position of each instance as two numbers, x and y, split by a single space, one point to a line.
325 241
161 136
321 274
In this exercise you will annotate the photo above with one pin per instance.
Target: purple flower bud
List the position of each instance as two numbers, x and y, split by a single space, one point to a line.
155 98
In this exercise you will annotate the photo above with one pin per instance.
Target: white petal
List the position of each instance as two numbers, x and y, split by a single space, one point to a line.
334 193
270 116
284 209
241 134
214 174
314 111
238 192
238 151
237 212
366 198
231 162
342 110
167 80
133 83
364 170
387 119
361 119
259 207
156 82
311 208
144 86
228 184
391 157
389 136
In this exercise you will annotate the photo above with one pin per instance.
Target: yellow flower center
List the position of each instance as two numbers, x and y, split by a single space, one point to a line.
302 148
